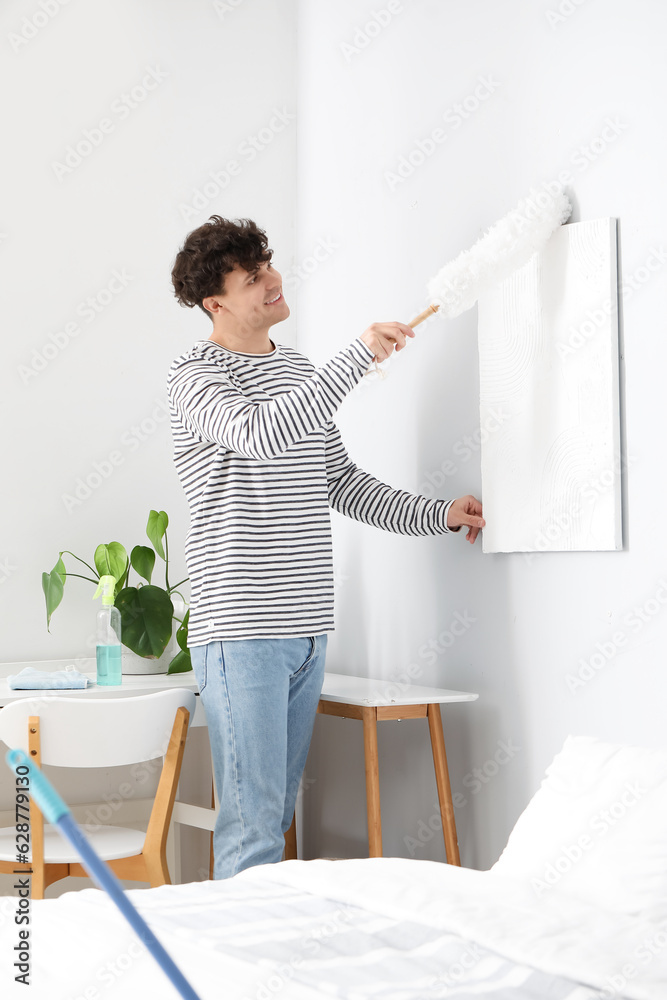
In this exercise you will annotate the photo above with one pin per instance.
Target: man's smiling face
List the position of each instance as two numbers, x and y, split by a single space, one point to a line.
252 300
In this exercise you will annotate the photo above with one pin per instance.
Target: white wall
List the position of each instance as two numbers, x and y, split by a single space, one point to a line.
547 88
218 72
74 405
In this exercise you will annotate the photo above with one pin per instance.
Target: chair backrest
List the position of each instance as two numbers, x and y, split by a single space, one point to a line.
96 732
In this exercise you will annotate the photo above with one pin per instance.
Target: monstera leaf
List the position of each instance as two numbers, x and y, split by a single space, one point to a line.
182 662
158 522
111 560
53 585
143 560
145 617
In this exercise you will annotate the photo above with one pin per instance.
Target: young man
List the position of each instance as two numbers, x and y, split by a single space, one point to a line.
261 462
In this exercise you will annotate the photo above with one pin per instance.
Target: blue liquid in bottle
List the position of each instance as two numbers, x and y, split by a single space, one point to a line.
109 664
108 652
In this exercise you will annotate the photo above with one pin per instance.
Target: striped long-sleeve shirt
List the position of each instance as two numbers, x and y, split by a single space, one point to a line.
261 462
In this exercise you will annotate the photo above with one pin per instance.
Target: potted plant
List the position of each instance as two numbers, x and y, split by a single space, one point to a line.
147 611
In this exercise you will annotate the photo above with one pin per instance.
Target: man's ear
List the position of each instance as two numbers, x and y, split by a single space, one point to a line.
212 304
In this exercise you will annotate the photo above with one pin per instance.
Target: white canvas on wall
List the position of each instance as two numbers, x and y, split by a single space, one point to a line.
549 398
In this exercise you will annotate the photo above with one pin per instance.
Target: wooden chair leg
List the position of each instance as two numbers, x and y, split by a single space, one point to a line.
157 870
155 845
290 841
369 718
38 882
442 781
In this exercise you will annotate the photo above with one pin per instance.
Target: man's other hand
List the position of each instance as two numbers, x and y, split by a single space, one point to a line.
466 510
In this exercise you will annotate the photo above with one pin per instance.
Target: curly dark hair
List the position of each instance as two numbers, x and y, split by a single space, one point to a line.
212 251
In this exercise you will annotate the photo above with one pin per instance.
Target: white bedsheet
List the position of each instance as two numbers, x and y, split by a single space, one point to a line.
379 929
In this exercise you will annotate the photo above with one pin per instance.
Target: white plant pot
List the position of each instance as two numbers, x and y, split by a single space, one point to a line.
132 663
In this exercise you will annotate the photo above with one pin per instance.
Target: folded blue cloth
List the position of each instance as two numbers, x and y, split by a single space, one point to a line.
31 679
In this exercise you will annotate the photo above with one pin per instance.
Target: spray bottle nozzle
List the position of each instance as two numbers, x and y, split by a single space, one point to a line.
106 587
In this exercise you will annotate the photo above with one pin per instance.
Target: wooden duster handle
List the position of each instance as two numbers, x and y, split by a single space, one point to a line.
429 311
423 315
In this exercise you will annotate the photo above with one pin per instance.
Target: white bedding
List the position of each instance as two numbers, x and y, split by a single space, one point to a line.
386 929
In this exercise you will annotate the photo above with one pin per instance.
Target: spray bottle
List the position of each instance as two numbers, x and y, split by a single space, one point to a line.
109 665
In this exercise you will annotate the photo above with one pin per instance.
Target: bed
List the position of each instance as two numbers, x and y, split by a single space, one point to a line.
574 909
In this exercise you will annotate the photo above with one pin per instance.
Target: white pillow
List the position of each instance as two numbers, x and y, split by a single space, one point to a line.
596 828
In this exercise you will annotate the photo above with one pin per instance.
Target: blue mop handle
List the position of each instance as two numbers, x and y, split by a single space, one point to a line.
56 811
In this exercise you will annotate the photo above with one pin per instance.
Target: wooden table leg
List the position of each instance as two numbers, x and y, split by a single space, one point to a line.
369 718
442 781
290 841
210 849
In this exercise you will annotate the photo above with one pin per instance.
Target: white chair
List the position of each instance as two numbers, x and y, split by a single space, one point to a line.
77 732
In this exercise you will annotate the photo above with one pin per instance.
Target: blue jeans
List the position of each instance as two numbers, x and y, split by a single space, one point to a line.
260 698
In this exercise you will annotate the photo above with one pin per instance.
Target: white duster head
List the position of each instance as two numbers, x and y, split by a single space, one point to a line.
507 245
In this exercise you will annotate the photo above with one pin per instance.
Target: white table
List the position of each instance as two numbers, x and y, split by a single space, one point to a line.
132 684
373 701
368 700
